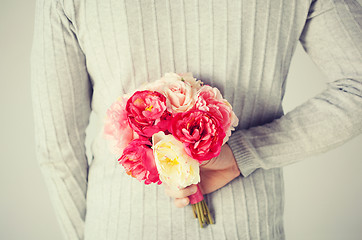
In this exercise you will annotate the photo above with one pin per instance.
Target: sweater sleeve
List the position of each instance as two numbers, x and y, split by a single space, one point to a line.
61 93
332 37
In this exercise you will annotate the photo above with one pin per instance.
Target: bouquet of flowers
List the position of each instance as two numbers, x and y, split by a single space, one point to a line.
167 128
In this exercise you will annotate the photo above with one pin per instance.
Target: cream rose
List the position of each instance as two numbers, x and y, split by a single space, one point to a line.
175 167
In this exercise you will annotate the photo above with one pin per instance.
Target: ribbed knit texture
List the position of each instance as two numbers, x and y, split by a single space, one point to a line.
87 53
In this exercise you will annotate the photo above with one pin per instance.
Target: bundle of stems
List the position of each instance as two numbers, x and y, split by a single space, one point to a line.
201 211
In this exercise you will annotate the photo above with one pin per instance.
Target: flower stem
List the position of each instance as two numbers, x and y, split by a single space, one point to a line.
194 210
200 209
199 216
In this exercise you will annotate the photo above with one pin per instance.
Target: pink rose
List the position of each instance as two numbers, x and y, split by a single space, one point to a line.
138 161
210 99
116 126
179 90
147 113
200 132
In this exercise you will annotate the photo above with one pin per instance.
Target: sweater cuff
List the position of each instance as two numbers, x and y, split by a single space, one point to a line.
245 157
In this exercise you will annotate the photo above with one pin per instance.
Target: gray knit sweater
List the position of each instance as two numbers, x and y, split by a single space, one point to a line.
87 53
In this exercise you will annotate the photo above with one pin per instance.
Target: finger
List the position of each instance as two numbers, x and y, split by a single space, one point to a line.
181 193
181 202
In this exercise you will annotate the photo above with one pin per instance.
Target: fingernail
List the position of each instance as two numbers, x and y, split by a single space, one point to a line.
194 189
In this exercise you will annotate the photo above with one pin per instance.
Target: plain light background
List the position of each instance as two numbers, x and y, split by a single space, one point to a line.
323 193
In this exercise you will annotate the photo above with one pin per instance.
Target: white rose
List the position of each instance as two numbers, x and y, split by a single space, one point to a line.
175 167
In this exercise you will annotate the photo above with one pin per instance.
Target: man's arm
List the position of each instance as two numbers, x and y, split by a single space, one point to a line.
61 99
332 37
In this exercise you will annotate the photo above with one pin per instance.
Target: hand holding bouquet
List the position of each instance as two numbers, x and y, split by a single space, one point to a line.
166 129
